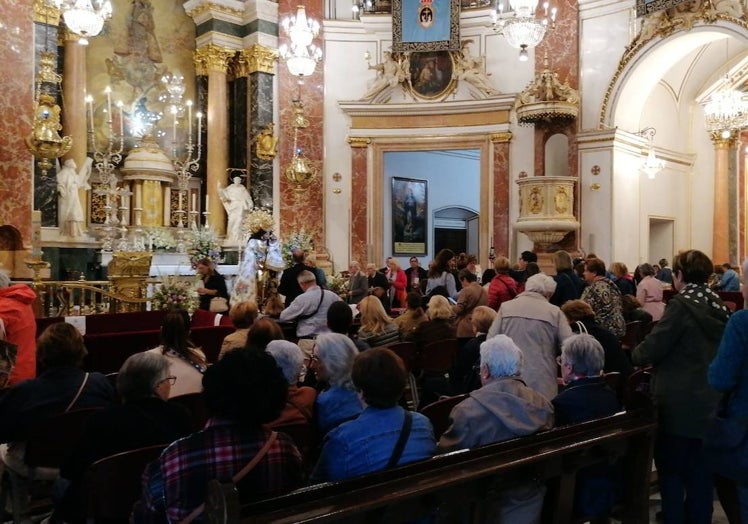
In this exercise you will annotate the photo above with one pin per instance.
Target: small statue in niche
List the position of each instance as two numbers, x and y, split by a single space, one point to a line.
266 143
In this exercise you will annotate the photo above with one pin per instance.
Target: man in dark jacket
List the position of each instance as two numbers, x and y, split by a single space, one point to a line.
289 286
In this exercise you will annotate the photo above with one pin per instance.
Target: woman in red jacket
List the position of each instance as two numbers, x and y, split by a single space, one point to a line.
20 326
502 286
398 283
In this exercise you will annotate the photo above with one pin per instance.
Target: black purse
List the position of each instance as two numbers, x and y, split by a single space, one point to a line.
726 443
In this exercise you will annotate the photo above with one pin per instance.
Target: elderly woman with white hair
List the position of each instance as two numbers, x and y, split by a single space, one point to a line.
332 360
299 407
537 327
502 409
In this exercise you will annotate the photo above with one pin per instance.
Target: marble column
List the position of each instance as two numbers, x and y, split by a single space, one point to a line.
501 180
261 63
359 203
213 60
725 226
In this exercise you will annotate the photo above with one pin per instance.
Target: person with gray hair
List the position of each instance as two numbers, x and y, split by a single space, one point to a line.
587 397
144 419
299 407
332 361
502 409
537 327
309 309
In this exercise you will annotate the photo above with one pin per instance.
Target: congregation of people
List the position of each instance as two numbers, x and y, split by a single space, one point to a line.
533 349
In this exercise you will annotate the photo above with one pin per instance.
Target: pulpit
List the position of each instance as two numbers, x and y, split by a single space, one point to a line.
128 272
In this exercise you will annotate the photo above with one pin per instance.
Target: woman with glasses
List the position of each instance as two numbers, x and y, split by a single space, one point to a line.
144 418
332 361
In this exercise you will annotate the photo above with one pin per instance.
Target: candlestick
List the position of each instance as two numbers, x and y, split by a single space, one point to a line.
180 200
207 202
194 202
189 121
89 101
108 92
121 119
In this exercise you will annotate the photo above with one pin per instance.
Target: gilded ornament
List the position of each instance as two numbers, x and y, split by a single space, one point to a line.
545 99
46 13
721 142
266 143
211 8
535 201
561 200
499 138
359 141
260 59
212 59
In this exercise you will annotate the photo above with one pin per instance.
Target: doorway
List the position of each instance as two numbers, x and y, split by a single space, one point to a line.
456 228
661 239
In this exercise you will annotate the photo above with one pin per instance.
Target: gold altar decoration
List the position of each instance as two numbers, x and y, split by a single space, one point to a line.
300 172
546 208
545 99
150 173
44 141
267 143
128 272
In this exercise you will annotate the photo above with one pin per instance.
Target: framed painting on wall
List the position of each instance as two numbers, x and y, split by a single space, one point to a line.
425 25
431 74
409 216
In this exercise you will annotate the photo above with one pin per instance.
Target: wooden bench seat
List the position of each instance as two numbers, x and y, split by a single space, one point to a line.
467 477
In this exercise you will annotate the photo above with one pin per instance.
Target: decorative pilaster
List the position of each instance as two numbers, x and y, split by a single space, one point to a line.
359 207
725 226
213 60
500 177
260 64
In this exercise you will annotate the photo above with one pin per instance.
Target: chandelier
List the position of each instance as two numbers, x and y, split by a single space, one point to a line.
82 18
726 111
519 25
652 165
302 55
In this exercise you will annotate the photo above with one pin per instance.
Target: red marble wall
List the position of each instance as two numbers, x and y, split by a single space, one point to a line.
16 106
501 178
301 209
359 208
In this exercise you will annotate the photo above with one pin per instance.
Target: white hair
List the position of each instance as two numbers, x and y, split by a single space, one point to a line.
501 356
584 354
288 357
337 353
541 283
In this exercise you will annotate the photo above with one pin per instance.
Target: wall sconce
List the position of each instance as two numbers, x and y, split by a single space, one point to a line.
652 165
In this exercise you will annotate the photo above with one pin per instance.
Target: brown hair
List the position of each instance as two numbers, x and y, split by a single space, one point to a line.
483 317
60 345
596 266
243 314
380 375
502 265
577 310
695 266
262 332
207 263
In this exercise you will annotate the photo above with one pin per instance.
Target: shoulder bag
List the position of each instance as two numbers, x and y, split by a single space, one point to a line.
219 305
401 440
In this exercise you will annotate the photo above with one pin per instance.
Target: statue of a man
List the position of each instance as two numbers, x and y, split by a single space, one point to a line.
236 200
69 183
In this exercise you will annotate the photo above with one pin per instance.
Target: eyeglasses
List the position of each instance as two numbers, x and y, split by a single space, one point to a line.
172 380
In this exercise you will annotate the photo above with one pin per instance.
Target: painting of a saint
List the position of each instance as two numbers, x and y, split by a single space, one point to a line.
431 73
409 208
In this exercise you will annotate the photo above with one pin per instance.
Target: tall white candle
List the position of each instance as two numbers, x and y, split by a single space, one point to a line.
121 119
180 201
194 202
207 202
89 101
189 121
108 92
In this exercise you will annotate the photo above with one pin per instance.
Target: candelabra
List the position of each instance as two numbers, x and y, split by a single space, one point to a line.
184 167
106 160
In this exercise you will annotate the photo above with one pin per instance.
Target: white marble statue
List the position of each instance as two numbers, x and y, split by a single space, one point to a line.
389 74
471 69
236 200
69 183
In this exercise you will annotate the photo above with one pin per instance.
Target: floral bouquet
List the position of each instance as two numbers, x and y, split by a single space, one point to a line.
203 243
175 293
161 238
300 239
337 284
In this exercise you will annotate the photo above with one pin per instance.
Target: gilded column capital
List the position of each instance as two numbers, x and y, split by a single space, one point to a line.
256 59
722 142
359 141
45 13
212 59
500 138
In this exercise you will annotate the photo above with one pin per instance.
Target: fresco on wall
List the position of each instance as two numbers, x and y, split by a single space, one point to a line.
145 41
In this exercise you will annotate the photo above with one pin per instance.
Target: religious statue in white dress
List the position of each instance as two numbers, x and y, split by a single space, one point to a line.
69 183
261 260
236 201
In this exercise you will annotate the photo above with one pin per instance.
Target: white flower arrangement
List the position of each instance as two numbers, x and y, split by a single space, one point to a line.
161 238
337 284
203 243
300 239
175 293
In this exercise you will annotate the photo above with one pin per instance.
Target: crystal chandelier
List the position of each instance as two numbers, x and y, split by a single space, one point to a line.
726 111
82 18
521 28
302 55
652 165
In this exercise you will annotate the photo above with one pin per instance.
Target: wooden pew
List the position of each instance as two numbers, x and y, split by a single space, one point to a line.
467 477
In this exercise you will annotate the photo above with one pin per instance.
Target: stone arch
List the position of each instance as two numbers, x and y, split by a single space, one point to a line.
10 238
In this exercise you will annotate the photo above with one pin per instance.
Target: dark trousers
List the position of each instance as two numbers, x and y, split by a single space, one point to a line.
686 485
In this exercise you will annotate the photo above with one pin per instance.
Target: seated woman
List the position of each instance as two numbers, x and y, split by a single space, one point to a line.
243 391
144 419
465 373
408 321
62 387
439 326
587 397
371 442
470 296
262 332
299 407
332 361
582 320
186 361
213 283
377 328
242 316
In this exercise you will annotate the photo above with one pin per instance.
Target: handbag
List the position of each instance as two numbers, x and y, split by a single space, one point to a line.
726 444
219 305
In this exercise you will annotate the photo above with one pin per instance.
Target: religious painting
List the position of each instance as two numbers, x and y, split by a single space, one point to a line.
409 223
431 74
425 25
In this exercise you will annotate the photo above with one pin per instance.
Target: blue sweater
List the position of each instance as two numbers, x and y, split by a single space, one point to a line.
729 369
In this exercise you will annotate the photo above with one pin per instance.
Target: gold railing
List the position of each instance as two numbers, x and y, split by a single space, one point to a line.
84 297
